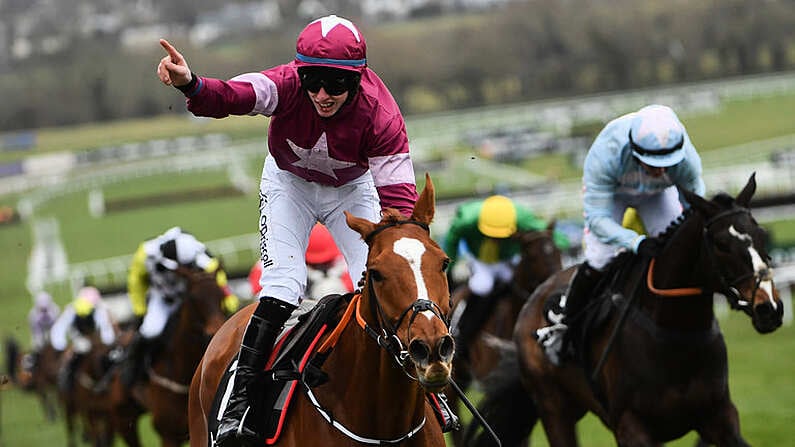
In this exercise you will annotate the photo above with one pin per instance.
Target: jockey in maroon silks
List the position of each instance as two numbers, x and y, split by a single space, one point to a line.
336 141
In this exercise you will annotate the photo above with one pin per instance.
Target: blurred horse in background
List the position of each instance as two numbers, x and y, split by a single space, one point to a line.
35 372
651 360
539 258
165 391
87 400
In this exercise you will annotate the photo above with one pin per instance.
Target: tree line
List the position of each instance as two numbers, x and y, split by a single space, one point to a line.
523 51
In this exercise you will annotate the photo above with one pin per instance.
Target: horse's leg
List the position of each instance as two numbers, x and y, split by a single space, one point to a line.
125 423
722 428
558 410
106 431
46 405
631 432
69 420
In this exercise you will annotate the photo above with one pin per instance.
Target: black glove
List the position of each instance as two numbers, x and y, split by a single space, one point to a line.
650 247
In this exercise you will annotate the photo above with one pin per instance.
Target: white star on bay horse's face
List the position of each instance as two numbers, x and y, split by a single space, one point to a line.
317 158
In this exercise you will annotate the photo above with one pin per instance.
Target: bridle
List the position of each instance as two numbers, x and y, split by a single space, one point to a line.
730 289
385 334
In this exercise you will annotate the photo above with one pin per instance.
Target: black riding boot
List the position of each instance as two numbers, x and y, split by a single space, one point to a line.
577 297
235 429
477 311
555 338
136 360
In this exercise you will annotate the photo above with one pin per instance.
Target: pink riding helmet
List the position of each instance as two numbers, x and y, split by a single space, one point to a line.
331 41
91 294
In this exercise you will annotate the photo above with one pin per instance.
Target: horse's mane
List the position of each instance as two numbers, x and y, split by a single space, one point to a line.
675 224
722 199
624 257
391 216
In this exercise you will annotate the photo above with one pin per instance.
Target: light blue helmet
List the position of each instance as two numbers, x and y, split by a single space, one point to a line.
656 136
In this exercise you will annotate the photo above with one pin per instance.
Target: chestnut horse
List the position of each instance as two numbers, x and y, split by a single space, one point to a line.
539 258
392 348
165 391
657 368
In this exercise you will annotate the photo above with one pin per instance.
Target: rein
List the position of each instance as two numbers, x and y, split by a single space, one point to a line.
165 382
684 291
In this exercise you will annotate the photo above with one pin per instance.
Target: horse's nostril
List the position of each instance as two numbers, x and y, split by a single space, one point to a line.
764 310
445 347
419 351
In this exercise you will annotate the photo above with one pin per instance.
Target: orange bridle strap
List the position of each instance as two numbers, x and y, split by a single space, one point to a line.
331 341
686 291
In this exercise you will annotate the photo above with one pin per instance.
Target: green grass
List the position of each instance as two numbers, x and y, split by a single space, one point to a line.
742 121
92 136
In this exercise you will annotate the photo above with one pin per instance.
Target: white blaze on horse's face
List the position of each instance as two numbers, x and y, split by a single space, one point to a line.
760 267
411 250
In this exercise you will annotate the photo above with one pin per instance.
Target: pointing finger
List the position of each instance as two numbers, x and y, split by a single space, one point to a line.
172 52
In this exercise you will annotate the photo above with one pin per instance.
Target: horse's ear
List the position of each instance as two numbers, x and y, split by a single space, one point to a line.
425 207
744 198
551 225
359 224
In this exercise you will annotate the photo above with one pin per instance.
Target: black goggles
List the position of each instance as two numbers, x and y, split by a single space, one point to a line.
657 152
333 83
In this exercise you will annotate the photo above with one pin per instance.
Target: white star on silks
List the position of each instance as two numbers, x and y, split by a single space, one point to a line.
317 159
329 22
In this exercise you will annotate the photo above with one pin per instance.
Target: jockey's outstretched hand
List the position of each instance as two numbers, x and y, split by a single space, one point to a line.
173 69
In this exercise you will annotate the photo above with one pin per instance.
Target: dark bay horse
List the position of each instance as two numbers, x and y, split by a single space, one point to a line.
87 403
656 368
373 393
164 393
36 373
539 258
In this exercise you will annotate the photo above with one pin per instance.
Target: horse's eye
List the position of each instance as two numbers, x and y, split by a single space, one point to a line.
722 246
376 275
445 264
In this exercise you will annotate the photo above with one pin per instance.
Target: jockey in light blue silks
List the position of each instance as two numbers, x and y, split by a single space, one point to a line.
638 160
